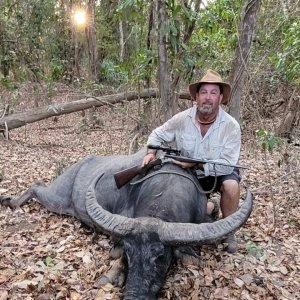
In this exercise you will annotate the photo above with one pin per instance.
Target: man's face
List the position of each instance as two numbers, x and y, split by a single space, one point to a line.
208 98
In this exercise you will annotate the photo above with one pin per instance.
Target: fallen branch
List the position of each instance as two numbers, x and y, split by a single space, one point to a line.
22 118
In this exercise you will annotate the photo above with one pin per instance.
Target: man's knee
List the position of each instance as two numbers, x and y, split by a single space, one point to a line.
230 186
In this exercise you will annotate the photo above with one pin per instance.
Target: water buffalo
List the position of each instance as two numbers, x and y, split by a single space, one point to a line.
149 219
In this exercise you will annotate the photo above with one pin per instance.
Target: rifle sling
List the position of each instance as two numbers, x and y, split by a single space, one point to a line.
194 180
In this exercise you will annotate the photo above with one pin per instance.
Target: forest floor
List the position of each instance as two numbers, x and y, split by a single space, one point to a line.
48 256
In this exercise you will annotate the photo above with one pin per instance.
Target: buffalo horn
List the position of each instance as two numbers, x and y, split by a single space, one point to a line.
206 233
169 233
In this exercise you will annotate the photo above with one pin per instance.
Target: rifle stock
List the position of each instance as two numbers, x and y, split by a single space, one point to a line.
124 176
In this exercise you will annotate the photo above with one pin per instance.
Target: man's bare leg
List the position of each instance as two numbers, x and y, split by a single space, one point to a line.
210 207
230 196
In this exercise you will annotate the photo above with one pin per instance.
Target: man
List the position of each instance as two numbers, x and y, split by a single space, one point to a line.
206 131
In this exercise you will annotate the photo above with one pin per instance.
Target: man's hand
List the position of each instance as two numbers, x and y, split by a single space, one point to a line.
147 158
183 165
187 165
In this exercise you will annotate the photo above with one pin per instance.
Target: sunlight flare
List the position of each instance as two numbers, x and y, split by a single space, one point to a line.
79 17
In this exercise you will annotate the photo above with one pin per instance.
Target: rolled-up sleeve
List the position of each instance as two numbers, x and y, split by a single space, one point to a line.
166 133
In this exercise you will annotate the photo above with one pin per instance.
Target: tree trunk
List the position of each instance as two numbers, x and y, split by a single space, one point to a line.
164 79
150 38
121 40
91 40
245 37
181 51
287 123
20 119
147 104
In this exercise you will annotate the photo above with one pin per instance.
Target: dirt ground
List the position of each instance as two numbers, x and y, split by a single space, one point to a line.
48 256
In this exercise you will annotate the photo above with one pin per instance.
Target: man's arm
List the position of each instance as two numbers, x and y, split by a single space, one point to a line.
166 133
162 134
187 165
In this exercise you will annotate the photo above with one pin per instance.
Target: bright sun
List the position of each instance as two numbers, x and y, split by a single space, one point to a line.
80 17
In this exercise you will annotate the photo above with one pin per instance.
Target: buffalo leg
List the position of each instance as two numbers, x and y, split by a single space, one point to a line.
52 201
187 256
115 275
14 202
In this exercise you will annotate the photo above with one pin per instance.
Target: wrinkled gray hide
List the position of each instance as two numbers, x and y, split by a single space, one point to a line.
67 194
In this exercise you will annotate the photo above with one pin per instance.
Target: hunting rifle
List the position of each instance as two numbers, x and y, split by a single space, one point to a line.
124 176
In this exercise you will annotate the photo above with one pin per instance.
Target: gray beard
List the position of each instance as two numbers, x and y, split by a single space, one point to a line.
206 110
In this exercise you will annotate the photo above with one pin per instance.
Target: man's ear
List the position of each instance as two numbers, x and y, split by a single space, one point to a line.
221 98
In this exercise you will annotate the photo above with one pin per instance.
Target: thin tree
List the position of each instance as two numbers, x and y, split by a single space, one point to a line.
187 34
164 78
91 40
169 76
245 38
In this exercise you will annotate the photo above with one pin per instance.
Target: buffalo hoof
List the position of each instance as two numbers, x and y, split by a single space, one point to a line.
115 276
187 256
232 245
6 201
116 281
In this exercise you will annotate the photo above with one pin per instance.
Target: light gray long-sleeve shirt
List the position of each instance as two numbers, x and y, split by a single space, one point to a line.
221 143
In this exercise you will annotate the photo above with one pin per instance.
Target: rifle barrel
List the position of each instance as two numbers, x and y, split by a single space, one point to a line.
203 161
168 150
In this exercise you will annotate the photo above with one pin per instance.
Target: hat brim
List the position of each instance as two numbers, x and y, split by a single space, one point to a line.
226 90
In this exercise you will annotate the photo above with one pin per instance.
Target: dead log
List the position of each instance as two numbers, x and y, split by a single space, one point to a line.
33 115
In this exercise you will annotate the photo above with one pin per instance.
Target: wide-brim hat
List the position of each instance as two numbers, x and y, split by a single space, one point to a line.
212 77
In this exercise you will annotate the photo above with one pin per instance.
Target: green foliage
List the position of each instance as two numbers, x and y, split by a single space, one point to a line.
7 83
44 48
293 221
214 41
141 66
287 61
133 10
83 125
254 250
90 87
107 34
48 270
37 41
57 69
267 140
97 119
111 73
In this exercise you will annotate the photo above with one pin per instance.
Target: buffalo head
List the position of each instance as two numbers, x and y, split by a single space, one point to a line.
149 241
